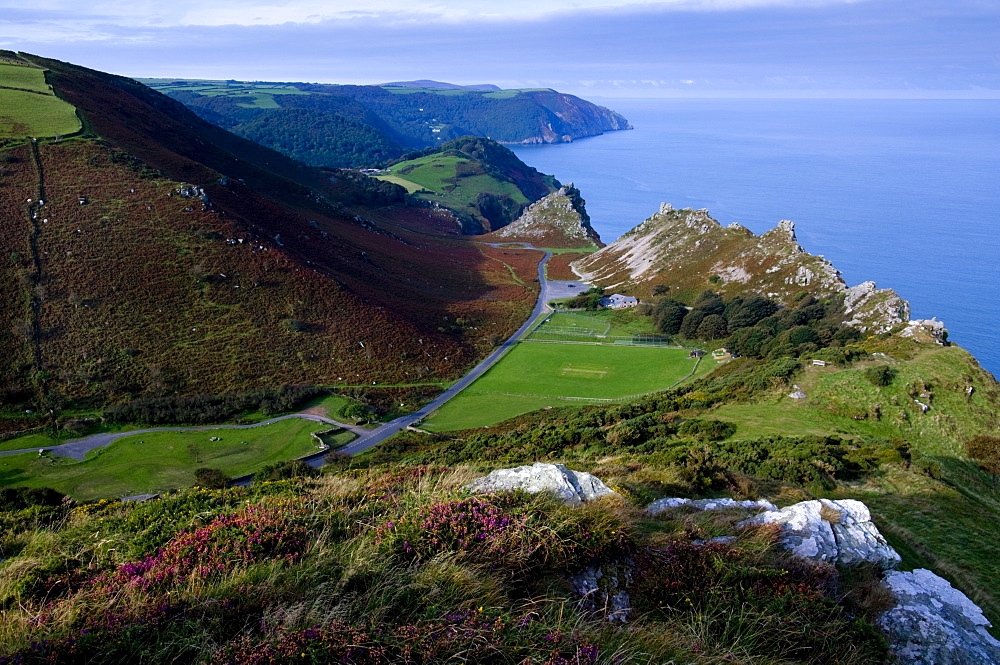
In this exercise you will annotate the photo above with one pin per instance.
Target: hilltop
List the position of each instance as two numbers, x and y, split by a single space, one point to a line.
482 183
361 126
685 251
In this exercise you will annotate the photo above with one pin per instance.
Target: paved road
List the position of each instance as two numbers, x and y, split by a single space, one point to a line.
377 436
78 448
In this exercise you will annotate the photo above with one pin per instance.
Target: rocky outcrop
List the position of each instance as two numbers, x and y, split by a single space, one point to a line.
689 251
839 532
557 220
660 505
572 487
935 624
926 330
874 310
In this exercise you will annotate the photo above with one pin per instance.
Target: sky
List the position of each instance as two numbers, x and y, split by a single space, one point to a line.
594 48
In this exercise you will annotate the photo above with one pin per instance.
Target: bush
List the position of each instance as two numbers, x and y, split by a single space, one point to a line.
285 471
879 376
212 479
985 449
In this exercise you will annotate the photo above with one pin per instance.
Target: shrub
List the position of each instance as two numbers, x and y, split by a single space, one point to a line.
879 376
985 449
285 471
211 478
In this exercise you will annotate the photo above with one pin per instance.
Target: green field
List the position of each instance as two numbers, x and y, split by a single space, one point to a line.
535 375
159 461
24 114
250 95
606 326
449 180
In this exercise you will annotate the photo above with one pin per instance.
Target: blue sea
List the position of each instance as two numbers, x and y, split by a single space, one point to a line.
905 193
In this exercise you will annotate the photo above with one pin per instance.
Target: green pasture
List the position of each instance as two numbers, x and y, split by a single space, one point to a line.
590 249
598 327
27 78
411 187
24 114
159 461
438 174
535 375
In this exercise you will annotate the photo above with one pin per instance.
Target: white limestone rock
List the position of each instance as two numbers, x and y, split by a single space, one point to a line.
936 624
839 532
660 505
572 487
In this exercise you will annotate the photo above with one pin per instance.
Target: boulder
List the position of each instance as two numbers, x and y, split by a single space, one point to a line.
572 487
660 505
936 624
839 532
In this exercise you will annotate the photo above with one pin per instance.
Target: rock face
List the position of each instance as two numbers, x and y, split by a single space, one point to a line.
572 487
660 505
557 220
838 532
935 624
689 251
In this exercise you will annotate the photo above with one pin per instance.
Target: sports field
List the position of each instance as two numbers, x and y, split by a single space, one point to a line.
535 375
159 461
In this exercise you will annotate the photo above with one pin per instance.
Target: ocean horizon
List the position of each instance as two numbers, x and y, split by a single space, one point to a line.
905 193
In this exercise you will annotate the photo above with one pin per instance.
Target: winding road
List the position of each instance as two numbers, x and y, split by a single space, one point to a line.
367 438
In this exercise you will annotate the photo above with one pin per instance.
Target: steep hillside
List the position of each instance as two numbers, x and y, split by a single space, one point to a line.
386 116
483 183
161 255
688 251
558 221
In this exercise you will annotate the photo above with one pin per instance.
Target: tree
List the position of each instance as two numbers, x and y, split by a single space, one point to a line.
668 315
712 326
750 342
709 302
689 326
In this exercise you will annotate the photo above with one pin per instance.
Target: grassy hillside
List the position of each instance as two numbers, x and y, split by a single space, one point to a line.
847 438
28 107
400 566
484 184
161 255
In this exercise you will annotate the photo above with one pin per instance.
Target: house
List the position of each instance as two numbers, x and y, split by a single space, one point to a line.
722 354
618 301
696 353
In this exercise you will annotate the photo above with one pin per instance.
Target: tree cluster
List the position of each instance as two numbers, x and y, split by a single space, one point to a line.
205 409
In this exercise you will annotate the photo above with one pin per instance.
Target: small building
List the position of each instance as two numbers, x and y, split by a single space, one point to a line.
819 363
618 301
696 353
722 354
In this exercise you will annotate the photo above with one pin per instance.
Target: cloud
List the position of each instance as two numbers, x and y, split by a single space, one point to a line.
783 48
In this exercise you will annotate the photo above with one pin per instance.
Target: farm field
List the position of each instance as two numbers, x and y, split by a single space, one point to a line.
536 375
159 461
30 113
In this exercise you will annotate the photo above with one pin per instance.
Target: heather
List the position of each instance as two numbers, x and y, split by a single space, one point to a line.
399 564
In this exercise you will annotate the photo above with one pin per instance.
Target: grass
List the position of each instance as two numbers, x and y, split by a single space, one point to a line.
159 461
440 176
572 250
536 375
411 187
24 114
27 78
